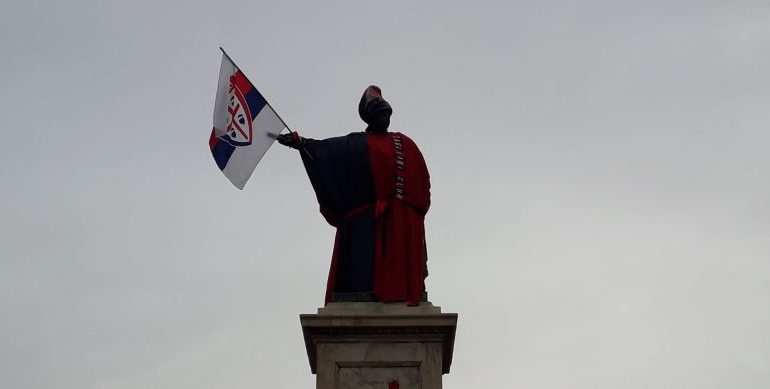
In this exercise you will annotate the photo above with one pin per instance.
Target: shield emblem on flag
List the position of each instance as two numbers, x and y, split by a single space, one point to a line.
238 130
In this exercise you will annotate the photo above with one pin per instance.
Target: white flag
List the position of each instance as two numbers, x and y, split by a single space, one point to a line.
245 125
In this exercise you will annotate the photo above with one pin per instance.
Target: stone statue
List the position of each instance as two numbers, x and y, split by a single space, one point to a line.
374 187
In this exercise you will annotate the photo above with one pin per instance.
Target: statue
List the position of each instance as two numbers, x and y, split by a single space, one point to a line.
374 187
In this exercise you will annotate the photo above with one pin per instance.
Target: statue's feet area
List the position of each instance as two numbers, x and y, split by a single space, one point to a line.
358 297
343 308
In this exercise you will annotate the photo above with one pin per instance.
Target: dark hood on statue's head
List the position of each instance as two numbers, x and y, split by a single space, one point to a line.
374 110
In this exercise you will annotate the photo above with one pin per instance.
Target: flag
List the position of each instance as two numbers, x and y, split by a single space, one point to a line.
245 125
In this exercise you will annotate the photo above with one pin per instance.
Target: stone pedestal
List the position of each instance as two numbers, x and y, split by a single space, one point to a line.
379 346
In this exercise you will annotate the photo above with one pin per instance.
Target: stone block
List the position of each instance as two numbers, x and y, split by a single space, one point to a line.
376 345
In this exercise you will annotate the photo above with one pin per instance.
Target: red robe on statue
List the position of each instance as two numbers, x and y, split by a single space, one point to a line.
375 189
402 191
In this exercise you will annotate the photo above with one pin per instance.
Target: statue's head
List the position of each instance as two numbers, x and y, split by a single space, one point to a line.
374 110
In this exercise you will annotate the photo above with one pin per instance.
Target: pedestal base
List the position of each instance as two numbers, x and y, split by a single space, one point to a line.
377 345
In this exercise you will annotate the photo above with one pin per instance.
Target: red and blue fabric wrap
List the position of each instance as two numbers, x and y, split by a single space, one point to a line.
375 189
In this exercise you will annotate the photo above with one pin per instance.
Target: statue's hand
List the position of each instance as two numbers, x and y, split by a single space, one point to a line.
291 139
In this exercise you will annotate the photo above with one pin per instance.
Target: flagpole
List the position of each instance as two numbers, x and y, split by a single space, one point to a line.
244 75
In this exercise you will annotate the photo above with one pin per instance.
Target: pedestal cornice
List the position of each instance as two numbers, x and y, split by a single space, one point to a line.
341 324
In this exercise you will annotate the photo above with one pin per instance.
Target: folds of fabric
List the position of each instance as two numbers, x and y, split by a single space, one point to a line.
374 188
339 171
402 191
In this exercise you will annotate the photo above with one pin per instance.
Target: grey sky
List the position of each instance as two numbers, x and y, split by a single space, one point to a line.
601 201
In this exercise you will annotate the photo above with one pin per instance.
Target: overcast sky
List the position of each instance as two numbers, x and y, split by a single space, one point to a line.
600 172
